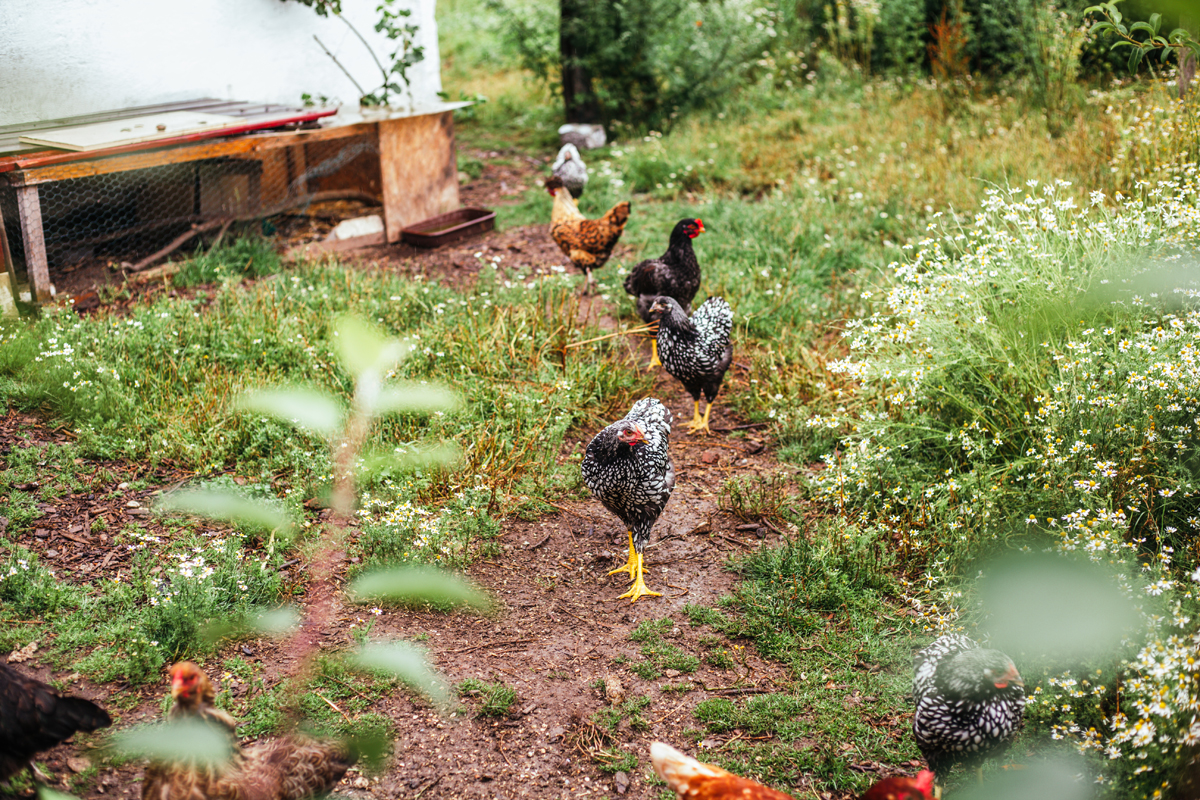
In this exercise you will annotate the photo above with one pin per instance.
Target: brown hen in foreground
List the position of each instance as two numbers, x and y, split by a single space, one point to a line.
587 242
694 780
282 769
34 717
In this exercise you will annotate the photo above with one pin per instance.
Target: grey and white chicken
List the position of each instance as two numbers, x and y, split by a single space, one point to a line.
970 702
696 351
628 468
569 167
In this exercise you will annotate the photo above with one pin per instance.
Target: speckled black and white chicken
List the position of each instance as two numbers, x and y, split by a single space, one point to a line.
569 167
628 468
970 702
697 351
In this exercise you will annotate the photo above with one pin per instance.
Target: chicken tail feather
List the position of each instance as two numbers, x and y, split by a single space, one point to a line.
677 769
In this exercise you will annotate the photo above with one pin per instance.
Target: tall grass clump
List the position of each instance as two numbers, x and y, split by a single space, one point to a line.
158 383
1031 380
978 329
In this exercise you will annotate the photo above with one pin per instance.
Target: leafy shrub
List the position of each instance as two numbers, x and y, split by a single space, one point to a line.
973 341
649 63
1032 378
27 588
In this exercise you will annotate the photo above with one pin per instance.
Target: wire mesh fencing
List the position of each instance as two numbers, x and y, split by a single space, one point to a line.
131 212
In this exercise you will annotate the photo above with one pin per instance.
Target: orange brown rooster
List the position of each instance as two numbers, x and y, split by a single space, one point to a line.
695 780
587 242
283 769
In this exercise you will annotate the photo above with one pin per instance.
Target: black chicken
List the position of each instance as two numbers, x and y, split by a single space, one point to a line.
969 702
697 351
34 717
628 468
675 274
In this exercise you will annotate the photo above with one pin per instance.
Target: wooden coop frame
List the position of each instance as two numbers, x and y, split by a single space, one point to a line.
415 176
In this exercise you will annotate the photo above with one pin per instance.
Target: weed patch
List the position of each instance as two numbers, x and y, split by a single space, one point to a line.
495 699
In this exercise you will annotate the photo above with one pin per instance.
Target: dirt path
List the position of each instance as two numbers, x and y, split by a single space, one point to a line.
553 640
559 633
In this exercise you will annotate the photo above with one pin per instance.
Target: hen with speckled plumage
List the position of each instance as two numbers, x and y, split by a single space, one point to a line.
970 702
627 466
696 351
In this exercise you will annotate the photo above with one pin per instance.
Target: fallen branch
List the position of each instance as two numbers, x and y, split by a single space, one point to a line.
332 705
278 208
178 242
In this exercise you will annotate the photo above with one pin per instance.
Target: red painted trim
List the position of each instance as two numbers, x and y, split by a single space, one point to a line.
43 158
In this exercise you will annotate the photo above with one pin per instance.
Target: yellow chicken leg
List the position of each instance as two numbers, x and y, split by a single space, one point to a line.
639 584
631 564
699 423
654 362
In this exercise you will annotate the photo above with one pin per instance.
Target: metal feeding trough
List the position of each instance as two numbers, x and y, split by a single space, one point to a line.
446 228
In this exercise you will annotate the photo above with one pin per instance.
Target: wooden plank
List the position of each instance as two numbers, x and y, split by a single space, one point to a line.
316 249
344 164
419 170
30 209
6 255
62 166
120 132
297 170
274 176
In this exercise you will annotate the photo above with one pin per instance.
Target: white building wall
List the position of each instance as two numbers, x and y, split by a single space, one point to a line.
62 58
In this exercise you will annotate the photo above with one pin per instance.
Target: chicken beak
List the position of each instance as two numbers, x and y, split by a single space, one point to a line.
639 436
1011 676
702 228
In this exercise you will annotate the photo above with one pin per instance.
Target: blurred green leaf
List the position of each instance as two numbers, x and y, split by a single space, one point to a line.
409 585
1058 779
407 663
276 621
370 749
362 348
305 408
378 462
1054 606
188 740
45 793
230 506
268 622
413 398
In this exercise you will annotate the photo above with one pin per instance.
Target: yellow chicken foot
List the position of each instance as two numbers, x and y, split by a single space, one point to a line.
697 422
639 585
632 563
654 362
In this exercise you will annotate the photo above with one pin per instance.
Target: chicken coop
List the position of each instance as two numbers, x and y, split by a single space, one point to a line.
120 144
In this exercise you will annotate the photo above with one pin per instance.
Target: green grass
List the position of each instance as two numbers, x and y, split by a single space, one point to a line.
494 698
826 609
659 654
